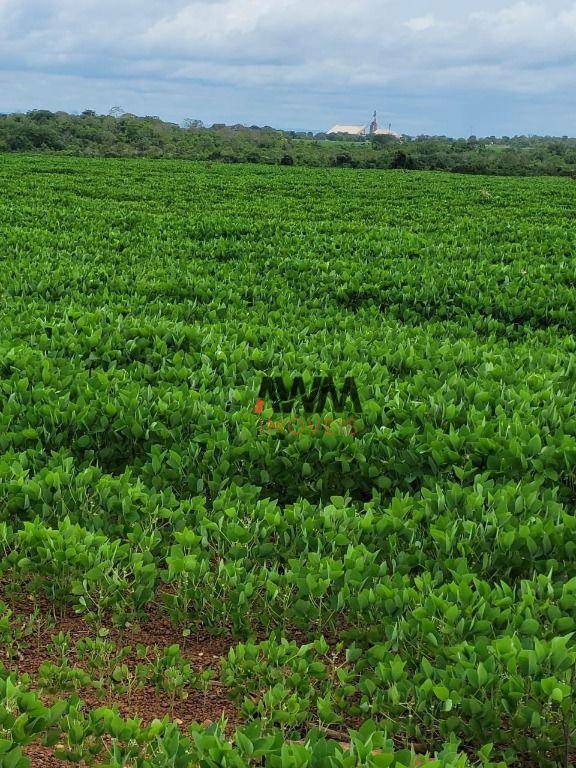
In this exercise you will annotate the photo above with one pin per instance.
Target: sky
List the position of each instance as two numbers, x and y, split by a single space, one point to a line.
455 67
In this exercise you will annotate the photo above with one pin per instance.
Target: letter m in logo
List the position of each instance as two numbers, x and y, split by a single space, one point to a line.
326 390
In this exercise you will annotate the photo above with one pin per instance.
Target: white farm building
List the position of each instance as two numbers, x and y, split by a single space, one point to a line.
372 129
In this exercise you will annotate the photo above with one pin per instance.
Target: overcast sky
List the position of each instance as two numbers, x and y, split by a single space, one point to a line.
456 67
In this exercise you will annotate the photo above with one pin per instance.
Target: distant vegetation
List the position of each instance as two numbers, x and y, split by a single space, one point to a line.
126 135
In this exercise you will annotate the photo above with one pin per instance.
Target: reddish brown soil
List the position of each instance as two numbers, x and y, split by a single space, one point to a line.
201 650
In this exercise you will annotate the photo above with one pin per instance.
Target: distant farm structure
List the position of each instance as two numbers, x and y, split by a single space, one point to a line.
371 129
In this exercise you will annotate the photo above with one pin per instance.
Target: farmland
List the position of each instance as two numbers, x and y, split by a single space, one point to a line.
183 585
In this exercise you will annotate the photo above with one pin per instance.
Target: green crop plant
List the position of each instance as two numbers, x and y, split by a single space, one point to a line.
406 586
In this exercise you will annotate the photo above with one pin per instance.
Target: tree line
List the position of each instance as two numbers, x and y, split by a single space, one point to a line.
126 135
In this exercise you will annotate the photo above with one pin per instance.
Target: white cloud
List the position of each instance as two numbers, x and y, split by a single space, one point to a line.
421 23
322 47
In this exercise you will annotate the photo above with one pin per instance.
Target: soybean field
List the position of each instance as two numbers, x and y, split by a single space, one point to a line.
287 467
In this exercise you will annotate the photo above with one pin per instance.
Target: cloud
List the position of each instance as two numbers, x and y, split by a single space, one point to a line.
421 23
283 52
